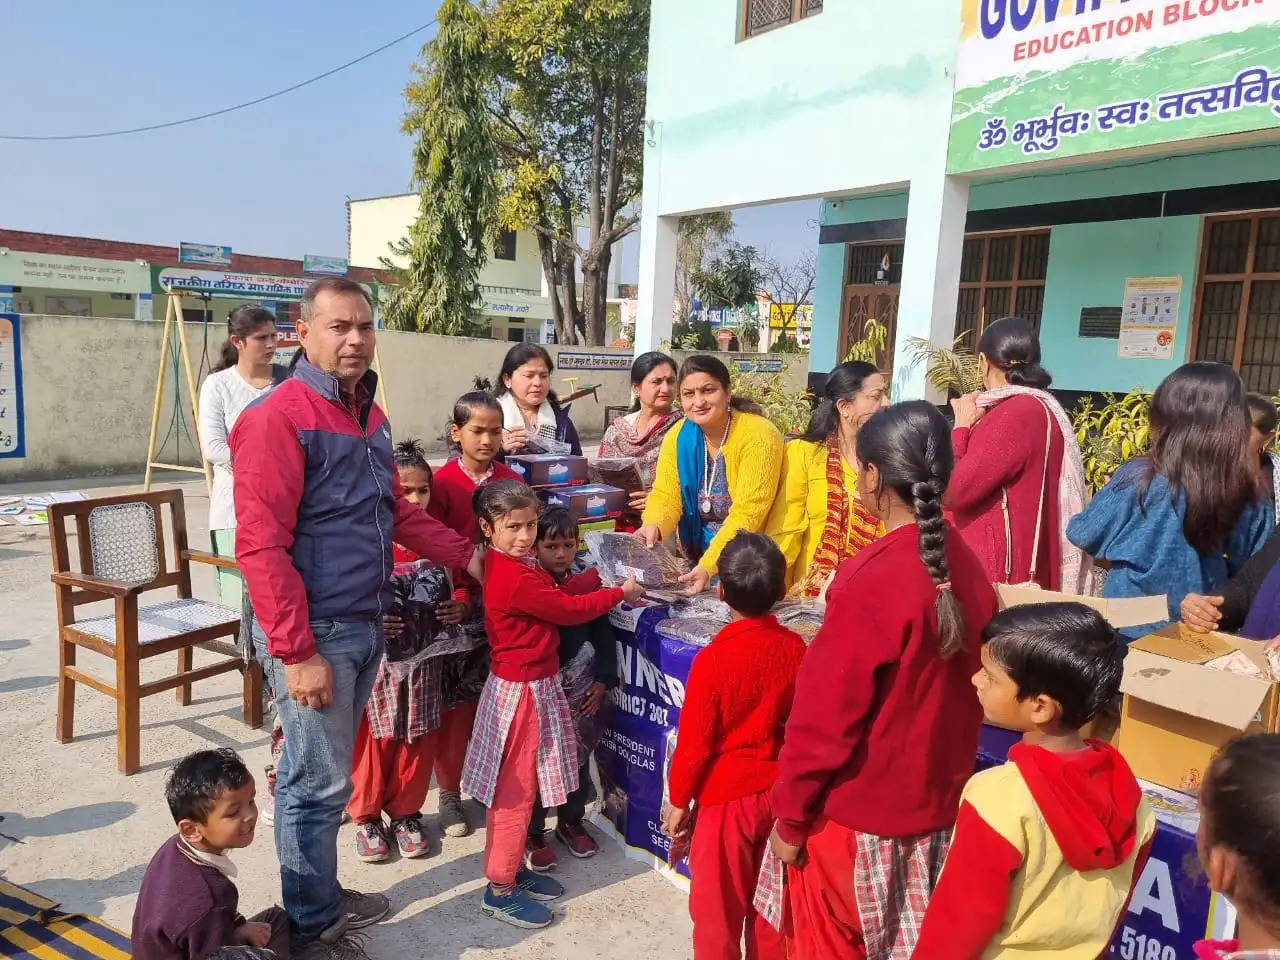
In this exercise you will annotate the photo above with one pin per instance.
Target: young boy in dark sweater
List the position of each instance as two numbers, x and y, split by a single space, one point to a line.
587 673
188 906
735 709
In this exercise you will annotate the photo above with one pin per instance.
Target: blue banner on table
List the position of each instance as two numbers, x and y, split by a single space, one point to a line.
636 750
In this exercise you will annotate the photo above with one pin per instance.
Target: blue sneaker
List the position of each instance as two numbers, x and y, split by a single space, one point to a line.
538 886
515 908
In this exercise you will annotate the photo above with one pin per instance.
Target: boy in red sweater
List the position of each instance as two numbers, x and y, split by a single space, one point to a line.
1047 847
736 704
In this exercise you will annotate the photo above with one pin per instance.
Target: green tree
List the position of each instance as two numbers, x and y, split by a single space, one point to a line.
732 278
700 236
454 172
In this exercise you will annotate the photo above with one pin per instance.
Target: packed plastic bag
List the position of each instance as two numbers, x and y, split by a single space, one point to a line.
620 555
620 472
538 443
418 589
696 630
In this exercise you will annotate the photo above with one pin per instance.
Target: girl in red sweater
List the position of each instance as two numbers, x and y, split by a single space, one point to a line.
396 745
475 431
524 742
884 728
737 698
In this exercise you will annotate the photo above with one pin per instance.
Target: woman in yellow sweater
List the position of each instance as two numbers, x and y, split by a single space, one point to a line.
717 474
817 518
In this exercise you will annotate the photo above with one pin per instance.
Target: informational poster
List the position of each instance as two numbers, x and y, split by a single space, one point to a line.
12 437
325 266
593 361
1149 317
1040 78
209 254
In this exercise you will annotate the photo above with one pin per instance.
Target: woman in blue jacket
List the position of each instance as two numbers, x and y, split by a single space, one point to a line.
1191 512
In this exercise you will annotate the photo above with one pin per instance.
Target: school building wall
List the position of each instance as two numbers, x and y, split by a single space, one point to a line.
88 386
1088 261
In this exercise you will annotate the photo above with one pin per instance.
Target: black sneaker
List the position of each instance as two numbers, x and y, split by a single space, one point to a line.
363 909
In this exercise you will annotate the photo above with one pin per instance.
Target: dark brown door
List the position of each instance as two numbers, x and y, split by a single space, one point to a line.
869 301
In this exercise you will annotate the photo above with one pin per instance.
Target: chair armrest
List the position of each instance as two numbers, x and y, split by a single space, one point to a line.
111 588
199 556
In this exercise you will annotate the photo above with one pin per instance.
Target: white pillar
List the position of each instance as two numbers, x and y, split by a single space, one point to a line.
657 279
936 209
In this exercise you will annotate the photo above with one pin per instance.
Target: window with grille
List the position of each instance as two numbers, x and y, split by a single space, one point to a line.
504 248
1001 275
760 16
1238 314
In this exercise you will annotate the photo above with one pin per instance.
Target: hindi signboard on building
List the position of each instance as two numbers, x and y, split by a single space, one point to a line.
1040 79
58 272
593 361
209 254
324 266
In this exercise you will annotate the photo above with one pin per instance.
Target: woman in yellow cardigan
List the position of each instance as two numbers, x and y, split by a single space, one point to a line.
717 474
817 518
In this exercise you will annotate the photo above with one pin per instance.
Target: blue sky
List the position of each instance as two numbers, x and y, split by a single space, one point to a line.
271 179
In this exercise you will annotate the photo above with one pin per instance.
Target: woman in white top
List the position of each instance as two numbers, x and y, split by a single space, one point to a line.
244 373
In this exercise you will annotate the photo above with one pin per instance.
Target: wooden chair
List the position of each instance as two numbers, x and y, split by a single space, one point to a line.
121 547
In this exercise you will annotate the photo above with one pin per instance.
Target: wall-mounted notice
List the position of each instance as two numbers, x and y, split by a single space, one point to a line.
1149 317
12 439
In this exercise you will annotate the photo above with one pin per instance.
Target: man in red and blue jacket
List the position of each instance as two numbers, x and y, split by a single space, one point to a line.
318 506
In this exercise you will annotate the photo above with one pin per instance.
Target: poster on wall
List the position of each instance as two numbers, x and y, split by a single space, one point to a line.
324 266
209 254
12 436
1149 317
1037 78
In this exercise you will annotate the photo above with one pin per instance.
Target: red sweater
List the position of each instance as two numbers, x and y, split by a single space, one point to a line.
1006 451
522 608
735 704
450 503
883 732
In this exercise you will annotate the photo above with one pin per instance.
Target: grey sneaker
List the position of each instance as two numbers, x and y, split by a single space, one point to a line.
346 947
453 818
363 909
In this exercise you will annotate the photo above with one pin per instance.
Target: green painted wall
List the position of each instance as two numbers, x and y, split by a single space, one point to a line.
1088 265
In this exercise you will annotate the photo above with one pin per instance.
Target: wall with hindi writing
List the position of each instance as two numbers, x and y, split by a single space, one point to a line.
839 101
1088 266
89 383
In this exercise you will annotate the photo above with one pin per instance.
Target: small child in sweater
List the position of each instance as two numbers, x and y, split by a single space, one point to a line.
396 744
524 742
735 707
188 906
1048 846
588 671
1239 820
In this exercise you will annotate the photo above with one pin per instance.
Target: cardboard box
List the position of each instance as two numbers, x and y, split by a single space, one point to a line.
1177 713
1120 612
549 469
592 501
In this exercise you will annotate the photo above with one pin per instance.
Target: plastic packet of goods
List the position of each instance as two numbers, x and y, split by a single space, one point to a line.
705 606
418 589
1236 662
619 556
537 443
696 630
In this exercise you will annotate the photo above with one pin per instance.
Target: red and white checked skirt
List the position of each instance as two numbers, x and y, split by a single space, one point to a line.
557 739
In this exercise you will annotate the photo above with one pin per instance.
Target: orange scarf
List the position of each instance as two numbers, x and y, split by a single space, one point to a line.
849 527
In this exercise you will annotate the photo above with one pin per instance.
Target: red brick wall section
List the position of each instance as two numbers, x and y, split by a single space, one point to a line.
53 243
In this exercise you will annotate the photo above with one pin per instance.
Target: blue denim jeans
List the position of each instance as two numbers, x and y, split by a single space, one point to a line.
313 777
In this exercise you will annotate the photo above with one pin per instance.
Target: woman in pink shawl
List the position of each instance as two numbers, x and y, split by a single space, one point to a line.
639 433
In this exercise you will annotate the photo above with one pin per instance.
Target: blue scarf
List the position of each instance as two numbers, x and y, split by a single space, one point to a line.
691 466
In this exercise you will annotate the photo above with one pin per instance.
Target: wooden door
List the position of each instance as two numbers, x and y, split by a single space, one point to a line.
864 301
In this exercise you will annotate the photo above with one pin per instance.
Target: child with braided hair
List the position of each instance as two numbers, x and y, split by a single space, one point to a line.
884 727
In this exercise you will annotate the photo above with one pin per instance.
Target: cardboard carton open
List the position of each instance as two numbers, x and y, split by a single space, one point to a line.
1119 612
1177 712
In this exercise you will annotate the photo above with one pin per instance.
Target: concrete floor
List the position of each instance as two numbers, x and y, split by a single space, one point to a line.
77 831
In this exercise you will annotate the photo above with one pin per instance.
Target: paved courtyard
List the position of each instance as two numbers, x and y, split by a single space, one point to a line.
77 831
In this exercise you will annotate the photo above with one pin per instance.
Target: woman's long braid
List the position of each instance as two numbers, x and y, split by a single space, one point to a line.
931 526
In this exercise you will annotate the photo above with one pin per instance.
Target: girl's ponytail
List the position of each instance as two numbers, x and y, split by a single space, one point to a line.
910 444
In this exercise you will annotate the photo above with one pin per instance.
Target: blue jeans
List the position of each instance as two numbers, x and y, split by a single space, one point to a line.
313 777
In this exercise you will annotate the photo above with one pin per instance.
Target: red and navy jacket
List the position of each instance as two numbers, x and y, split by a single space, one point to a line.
318 505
